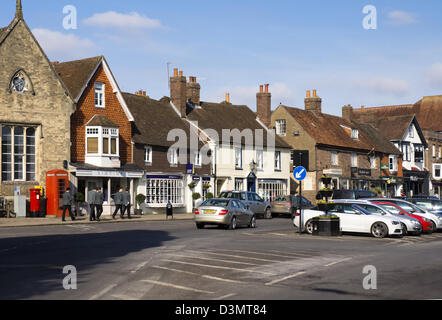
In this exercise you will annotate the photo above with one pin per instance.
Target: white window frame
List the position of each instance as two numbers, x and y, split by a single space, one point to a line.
393 163
355 134
411 132
148 154
260 159
281 127
160 191
173 156
100 101
278 161
434 151
373 162
334 158
354 160
197 159
101 133
239 158
435 166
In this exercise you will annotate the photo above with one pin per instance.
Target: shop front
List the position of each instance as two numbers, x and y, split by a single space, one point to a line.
416 183
271 189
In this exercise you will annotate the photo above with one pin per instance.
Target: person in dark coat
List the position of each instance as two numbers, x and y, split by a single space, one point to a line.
91 199
118 199
67 204
169 210
126 203
99 200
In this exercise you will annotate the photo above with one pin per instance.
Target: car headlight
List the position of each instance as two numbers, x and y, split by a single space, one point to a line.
395 223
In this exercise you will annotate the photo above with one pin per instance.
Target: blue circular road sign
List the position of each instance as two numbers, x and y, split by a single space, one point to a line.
300 173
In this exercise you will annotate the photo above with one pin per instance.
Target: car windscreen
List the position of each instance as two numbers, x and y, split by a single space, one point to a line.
410 208
424 204
229 195
215 203
437 205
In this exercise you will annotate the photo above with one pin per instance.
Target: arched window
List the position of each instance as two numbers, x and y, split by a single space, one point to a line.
21 83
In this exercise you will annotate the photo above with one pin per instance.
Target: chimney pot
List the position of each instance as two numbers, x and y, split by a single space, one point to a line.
314 93
181 73
308 94
175 72
267 88
228 97
261 88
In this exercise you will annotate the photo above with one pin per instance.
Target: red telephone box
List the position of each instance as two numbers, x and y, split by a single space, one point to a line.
57 181
35 202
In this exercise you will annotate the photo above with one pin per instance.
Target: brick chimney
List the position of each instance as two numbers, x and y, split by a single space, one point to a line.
313 103
347 112
178 91
263 105
193 91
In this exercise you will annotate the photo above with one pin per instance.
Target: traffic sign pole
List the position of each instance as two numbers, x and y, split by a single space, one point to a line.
300 173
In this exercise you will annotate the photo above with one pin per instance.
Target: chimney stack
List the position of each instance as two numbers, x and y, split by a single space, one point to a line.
313 104
347 112
193 91
263 105
178 92
228 97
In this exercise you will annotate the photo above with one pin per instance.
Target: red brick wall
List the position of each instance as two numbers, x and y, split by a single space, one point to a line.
86 111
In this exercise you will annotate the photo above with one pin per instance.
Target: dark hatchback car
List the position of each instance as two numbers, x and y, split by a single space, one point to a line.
352 194
288 205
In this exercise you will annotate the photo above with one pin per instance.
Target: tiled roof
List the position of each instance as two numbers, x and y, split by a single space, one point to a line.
101 121
327 130
382 143
75 74
154 120
221 116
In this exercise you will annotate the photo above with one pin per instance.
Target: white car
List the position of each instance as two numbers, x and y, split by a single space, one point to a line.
409 225
414 209
355 219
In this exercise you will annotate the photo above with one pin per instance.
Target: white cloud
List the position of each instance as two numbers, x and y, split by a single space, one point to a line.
114 19
384 86
63 46
434 75
399 18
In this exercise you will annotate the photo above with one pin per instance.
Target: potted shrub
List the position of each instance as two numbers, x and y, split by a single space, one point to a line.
209 195
326 193
192 185
140 199
195 196
326 180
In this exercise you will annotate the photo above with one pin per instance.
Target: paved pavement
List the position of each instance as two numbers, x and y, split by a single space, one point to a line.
49 221
173 260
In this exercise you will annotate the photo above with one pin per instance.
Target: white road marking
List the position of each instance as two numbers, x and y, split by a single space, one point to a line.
140 266
337 262
239 257
285 278
170 285
227 296
123 297
197 274
103 292
218 267
216 260
292 255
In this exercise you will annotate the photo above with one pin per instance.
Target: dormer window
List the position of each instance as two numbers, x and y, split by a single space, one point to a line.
355 134
99 95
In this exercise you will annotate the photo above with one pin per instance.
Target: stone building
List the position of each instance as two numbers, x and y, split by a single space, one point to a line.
35 111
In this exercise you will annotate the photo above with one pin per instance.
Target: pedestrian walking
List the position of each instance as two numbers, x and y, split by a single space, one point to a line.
118 199
91 199
99 200
67 204
169 210
126 203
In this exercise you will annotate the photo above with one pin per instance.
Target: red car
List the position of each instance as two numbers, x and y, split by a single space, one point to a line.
427 226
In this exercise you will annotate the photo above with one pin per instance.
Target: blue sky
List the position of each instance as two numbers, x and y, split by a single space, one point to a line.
234 46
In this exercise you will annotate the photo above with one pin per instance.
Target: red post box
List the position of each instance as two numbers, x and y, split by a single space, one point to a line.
57 181
35 202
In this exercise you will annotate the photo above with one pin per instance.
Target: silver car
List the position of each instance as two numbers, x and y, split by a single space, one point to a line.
252 201
410 226
230 213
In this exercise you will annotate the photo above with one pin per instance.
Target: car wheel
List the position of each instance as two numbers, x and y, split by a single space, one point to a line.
268 214
379 230
233 224
309 227
252 224
404 230
434 226
200 226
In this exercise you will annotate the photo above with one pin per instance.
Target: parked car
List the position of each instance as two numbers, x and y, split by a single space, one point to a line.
229 213
352 194
289 204
427 226
355 219
432 205
436 220
409 225
252 201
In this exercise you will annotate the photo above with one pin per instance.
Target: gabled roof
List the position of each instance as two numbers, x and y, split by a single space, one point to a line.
382 143
154 120
77 74
328 130
220 116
